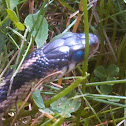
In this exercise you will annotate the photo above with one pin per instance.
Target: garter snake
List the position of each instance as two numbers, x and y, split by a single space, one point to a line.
62 54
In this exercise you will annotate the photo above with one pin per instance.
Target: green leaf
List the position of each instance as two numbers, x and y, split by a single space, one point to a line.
13 3
3 36
110 78
100 72
47 110
112 70
19 25
12 15
65 106
94 79
41 30
38 99
106 89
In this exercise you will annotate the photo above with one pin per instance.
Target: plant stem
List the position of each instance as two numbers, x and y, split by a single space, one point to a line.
83 5
65 91
106 82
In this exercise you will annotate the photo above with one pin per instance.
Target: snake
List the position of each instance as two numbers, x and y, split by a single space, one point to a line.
62 54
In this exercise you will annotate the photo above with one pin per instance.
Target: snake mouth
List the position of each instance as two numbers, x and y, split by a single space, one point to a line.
93 49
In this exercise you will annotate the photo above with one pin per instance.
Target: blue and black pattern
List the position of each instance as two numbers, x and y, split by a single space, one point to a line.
62 54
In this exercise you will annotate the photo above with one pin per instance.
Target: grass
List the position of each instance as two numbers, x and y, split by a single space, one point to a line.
96 99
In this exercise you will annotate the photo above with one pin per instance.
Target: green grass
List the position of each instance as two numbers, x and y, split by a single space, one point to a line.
97 98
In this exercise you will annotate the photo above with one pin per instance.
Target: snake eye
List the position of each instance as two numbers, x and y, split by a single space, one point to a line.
78 56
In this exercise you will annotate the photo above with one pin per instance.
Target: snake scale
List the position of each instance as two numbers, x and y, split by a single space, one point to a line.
62 54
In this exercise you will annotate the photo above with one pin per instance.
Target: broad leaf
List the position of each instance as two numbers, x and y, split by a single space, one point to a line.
41 28
13 3
12 15
38 99
65 106
112 70
100 72
19 25
106 89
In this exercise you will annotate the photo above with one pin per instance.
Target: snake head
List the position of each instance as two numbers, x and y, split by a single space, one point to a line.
68 51
62 54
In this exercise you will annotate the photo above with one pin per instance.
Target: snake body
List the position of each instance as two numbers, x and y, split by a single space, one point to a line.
62 54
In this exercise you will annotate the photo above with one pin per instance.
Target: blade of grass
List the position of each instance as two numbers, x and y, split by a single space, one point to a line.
108 102
86 29
92 109
106 82
102 113
113 118
83 7
99 96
